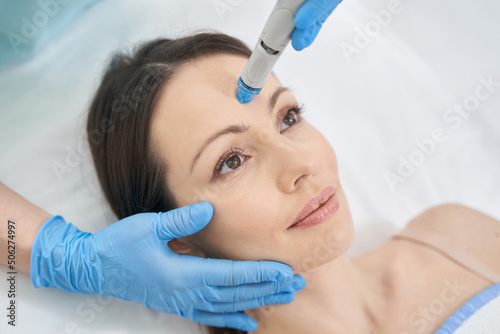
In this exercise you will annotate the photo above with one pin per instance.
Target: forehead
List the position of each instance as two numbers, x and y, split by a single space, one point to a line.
211 78
199 100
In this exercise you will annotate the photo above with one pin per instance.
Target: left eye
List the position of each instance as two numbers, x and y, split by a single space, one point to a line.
289 120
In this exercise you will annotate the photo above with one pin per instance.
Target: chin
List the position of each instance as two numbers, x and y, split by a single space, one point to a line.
331 242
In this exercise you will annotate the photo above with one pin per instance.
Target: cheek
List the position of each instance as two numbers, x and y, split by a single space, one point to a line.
311 138
245 225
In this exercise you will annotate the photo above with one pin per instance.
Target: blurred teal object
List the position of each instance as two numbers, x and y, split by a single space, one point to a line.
26 26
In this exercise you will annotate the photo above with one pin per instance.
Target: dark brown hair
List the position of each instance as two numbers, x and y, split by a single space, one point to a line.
132 177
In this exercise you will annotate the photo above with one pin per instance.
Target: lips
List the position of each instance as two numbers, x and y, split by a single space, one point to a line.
318 209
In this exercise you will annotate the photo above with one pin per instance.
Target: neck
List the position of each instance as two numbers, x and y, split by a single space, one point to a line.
338 296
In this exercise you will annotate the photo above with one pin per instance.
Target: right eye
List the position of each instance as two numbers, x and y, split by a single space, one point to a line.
231 163
228 162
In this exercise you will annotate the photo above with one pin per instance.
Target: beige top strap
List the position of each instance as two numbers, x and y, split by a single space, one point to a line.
460 257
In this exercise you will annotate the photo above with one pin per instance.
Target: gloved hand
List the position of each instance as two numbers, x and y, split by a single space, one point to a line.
131 260
309 19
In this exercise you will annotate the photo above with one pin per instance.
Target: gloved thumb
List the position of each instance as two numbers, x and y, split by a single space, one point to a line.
184 221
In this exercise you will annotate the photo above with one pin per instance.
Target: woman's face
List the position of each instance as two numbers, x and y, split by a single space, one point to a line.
258 164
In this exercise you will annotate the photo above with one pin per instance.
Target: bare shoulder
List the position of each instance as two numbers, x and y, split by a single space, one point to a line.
465 227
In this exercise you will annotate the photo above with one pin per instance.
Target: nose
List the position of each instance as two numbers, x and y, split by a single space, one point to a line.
293 164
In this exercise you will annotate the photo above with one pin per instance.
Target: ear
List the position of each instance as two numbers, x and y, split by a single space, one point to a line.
182 246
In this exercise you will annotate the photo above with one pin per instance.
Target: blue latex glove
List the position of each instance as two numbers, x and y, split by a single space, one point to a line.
309 19
131 260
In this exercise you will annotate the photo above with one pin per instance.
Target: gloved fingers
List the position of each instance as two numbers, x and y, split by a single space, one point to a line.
279 298
313 10
239 321
184 221
302 38
227 272
251 291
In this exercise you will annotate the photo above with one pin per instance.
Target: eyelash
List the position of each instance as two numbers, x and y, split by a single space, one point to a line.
297 109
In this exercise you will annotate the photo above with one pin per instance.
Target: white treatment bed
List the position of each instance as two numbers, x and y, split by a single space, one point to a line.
393 90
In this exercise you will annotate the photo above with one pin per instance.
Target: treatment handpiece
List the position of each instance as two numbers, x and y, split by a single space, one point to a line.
272 42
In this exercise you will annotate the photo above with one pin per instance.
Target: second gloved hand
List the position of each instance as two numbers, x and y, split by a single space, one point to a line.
309 19
130 260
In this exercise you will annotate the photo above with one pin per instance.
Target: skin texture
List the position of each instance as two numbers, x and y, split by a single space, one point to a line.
256 203
27 218
387 290
282 167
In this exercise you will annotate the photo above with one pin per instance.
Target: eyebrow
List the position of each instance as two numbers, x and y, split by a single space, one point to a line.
271 103
274 98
